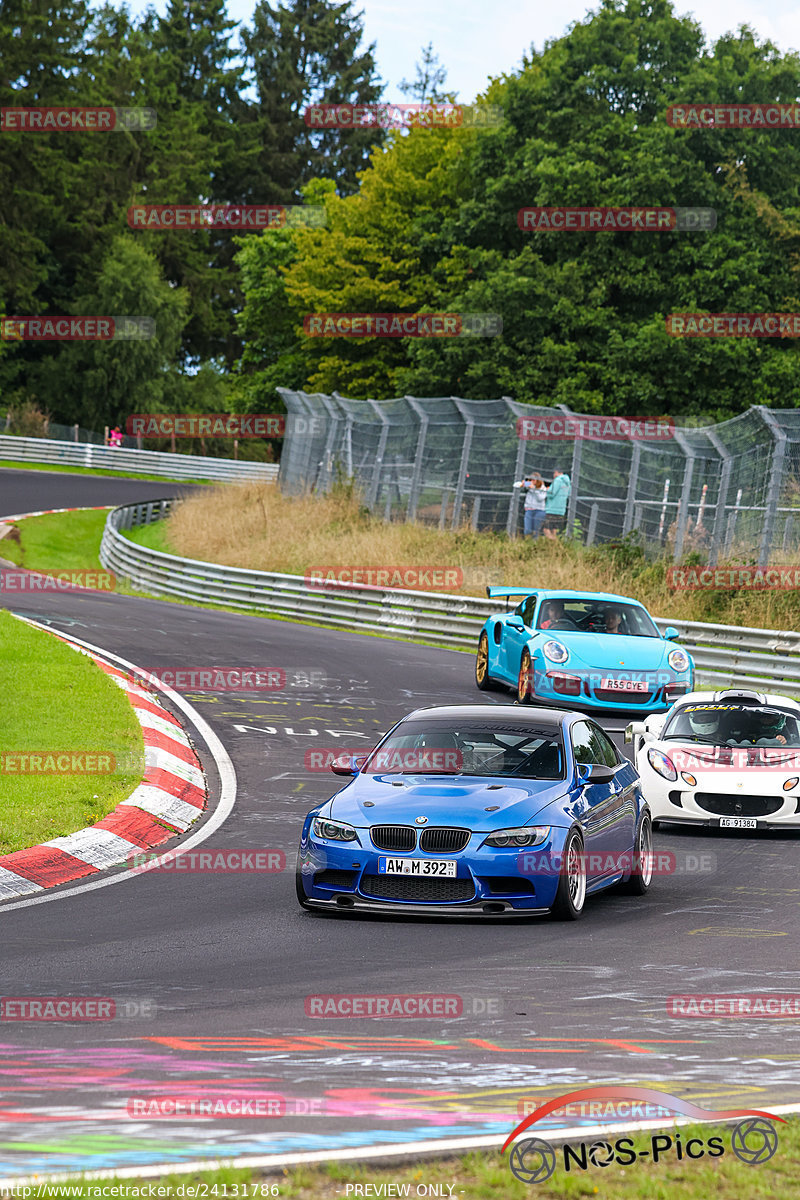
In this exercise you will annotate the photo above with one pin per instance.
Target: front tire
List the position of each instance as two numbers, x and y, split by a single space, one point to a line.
642 873
525 679
571 894
482 679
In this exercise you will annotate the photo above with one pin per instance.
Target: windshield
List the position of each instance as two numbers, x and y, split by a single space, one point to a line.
733 725
436 747
589 615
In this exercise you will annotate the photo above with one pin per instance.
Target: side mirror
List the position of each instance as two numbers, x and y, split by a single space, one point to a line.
670 633
601 774
348 764
515 622
635 727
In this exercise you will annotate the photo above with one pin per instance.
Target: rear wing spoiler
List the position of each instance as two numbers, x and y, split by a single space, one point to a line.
491 592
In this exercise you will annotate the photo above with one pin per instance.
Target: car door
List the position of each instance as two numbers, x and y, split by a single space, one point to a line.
515 640
625 784
603 808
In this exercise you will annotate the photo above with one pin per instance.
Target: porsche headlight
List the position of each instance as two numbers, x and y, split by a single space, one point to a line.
335 831
555 652
678 660
662 764
529 835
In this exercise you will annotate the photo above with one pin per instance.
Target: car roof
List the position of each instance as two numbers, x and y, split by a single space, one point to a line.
584 594
495 714
738 695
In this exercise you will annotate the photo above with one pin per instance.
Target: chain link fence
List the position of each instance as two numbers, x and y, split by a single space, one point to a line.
729 491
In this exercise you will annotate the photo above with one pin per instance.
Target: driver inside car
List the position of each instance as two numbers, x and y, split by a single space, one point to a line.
770 728
552 611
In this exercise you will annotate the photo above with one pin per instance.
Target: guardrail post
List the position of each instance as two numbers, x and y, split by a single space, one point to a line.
775 481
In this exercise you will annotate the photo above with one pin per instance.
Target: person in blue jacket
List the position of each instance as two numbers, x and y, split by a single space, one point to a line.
555 505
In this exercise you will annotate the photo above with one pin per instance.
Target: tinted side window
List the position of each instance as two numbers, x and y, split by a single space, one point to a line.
527 610
581 736
603 748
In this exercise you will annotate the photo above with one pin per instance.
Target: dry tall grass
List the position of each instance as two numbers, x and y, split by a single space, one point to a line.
253 525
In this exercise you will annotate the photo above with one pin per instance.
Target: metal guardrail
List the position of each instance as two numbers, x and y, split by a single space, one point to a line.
764 659
187 467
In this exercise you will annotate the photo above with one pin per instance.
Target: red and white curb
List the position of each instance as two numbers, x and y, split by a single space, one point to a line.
171 798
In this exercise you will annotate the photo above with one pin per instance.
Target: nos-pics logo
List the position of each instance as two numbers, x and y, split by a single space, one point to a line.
754 1138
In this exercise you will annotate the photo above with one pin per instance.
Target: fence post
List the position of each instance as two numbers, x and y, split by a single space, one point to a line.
594 510
416 477
461 481
75 433
686 491
512 524
633 480
476 508
575 470
722 497
372 492
775 481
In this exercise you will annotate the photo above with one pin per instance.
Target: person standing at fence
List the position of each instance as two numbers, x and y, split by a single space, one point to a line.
555 505
534 503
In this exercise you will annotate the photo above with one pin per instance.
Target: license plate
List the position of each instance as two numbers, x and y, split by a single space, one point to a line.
416 866
624 685
737 823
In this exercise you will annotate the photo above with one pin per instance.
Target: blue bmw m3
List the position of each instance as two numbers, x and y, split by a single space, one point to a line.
466 810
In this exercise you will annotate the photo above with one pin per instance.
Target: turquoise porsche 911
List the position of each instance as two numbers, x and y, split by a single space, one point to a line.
587 650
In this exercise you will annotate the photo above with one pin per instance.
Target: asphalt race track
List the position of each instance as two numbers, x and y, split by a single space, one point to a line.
218 966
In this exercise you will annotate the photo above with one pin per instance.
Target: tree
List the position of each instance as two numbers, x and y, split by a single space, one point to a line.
430 77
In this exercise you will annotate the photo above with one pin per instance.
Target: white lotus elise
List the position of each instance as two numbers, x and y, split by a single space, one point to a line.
727 759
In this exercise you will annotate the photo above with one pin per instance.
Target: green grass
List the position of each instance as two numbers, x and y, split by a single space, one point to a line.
69 470
153 537
487 1176
60 542
57 700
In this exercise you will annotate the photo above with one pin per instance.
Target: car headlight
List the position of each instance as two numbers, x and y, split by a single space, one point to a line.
335 831
529 835
555 652
678 660
662 764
